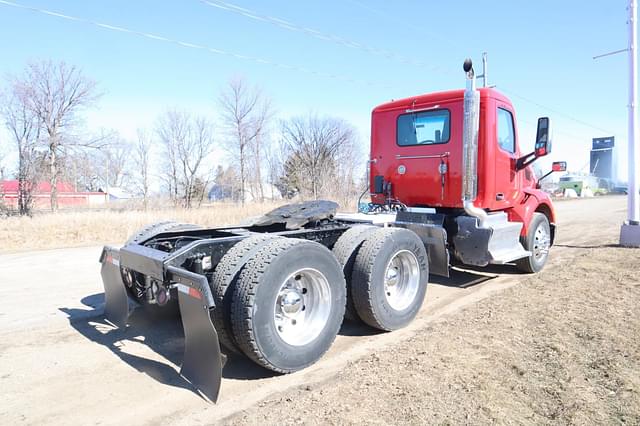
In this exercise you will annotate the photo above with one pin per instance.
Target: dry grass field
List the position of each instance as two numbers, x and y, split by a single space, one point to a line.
80 228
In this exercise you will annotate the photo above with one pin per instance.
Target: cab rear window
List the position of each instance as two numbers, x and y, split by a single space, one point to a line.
423 128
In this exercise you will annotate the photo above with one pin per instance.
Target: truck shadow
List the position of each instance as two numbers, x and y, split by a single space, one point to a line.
470 276
93 326
357 329
163 335
458 278
578 246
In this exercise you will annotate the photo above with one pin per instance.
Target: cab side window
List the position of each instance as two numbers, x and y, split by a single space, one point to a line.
506 132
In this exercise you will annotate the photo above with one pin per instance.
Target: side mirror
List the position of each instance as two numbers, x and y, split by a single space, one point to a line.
543 137
559 166
543 144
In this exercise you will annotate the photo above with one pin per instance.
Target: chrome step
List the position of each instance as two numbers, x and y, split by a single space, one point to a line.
498 242
504 245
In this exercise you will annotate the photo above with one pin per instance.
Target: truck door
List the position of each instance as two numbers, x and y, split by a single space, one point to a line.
506 184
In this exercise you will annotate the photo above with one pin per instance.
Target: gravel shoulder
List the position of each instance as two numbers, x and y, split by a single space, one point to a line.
560 347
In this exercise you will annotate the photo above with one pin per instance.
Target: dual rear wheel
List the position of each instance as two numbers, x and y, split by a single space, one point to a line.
281 301
388 278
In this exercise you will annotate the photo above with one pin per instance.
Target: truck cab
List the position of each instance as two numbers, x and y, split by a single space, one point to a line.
420 159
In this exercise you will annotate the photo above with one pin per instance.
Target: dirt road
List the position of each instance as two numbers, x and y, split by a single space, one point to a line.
61 363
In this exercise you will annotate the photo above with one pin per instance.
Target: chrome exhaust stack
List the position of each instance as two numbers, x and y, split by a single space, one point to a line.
482 238
471 128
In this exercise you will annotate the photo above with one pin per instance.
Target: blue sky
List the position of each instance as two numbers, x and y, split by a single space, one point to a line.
540 51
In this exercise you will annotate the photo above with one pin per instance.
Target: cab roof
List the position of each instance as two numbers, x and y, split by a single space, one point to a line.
435 97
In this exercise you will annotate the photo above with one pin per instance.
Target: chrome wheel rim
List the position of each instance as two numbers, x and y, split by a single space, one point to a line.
302 306
541 243
401 280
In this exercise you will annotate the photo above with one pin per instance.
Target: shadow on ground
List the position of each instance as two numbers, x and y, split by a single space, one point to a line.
469 277
165 336
578 246
162 334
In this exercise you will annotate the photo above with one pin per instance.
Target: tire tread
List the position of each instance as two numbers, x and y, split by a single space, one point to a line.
526 264
224 279
158 228
345 250
362 278
365 284
244 298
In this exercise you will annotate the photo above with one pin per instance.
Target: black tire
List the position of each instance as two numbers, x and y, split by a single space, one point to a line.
158 228
257 291
533 242
345 250
224 279
369 272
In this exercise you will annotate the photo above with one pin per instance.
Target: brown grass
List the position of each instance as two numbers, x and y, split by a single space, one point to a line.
68 229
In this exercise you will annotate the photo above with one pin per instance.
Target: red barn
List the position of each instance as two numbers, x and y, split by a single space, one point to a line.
67 195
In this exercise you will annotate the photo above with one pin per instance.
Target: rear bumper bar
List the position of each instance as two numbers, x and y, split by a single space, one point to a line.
202 361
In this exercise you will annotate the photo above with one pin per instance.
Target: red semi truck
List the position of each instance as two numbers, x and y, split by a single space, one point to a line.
448 183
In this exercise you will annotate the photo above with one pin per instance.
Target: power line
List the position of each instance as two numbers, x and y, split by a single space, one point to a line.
190 45
555 131
513 94
414 27
324 36
259 60
220 4
570 117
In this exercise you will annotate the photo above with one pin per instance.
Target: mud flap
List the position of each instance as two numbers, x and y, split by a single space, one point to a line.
116 308
430 228
202 362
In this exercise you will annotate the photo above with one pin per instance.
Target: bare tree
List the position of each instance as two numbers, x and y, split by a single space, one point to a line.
24 127
320 152
187 141
226 184
93 162
245 113
56 94
198 146
142 158
170 128
117 158
85 169
273 154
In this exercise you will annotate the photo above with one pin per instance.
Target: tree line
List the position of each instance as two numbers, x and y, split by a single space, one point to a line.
43 107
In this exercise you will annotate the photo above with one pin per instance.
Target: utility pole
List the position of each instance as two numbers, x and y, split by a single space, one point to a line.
107 179
630 231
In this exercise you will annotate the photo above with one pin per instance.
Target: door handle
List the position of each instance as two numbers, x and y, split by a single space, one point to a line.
499 196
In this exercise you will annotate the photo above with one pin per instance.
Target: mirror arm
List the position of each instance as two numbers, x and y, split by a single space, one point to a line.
541 178
525 160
